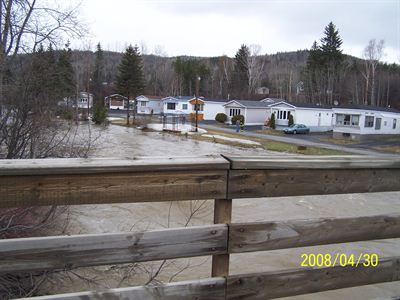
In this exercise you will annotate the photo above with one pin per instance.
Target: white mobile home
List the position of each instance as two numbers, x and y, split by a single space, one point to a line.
318 118
178 105
212 107
356 120
149 105
254 112
83 99
116 101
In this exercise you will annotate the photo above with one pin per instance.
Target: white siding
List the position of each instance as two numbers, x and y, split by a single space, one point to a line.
155 105
211 109
387 119
179 107
255 116
317 120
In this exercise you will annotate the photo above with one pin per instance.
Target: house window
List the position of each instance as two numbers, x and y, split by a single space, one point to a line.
143 103
369 121
385 123
234 112
284 115
394 123
171 106
339 119
184 106
355 120
347 120
199 107
378 123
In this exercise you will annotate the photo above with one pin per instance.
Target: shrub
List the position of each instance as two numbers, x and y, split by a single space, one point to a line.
221 117
290 120
237 117
99 114
272 121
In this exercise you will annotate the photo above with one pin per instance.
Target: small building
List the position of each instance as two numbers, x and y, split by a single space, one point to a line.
84 98
254 112
149 105
116 101
318 118
355 121
178 105
262 90
212 107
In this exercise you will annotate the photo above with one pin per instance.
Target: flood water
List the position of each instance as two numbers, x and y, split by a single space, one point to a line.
117 141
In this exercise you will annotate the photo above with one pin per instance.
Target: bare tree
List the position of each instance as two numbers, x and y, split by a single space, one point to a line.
25 24
373 52
255 67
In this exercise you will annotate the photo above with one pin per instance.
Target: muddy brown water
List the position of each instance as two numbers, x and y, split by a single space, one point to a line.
117 141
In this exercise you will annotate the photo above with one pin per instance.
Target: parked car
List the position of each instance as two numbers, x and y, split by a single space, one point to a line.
297 128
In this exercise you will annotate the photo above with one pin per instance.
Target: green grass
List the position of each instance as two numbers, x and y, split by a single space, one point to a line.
290 148
339 141
270 132
390 149
273 145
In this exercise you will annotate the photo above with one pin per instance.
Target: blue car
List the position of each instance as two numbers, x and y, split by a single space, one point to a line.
297 128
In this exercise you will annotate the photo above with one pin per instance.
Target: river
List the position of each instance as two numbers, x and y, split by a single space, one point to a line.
118 141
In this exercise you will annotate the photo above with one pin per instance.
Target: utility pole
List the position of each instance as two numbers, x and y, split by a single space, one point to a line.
196 106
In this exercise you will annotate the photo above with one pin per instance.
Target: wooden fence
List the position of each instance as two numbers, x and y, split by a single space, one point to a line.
99 181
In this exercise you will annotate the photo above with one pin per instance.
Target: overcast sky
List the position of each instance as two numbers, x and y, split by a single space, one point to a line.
216 27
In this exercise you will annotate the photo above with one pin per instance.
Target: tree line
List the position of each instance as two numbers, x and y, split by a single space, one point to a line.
322 74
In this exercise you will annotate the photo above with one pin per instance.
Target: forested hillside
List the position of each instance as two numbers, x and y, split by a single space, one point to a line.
285 74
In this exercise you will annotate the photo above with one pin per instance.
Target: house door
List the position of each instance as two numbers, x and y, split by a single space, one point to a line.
378 123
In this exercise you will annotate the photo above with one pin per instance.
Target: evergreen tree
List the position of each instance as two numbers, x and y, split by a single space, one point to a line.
187 72
98 74
43 86
240 80
324 64
66 76
130 79
332 60
272 121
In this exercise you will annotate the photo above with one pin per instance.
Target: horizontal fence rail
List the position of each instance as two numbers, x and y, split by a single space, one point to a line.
263 236
101 181
252 177
205 289
272 285
66 252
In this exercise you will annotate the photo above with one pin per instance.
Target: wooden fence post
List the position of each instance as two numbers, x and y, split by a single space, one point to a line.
222 215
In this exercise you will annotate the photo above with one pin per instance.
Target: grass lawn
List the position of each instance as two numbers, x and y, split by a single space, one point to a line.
270 145
271 132
339 141
391 149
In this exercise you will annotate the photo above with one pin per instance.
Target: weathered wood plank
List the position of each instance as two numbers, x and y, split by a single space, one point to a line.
204 289
222 215
104 188
248 237
276 183
55 166
314 162
272 285
59 252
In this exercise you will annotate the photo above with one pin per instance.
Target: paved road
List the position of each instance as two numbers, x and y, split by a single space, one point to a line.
297 141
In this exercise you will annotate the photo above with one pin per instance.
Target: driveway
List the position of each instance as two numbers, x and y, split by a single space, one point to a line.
298 141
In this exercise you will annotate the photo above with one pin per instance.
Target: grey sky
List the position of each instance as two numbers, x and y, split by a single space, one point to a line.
212 28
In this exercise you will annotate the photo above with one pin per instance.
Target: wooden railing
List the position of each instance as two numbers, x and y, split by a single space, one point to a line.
99 181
